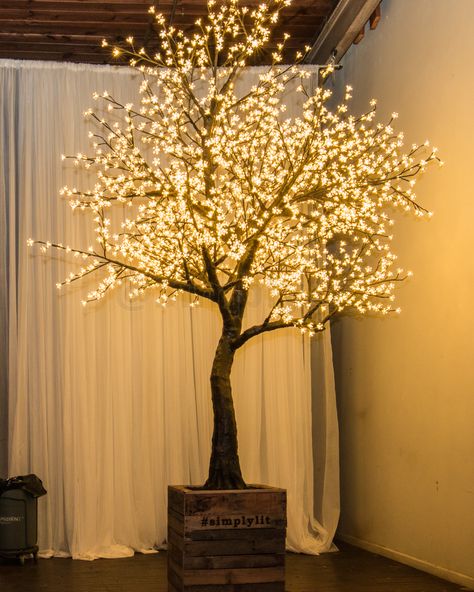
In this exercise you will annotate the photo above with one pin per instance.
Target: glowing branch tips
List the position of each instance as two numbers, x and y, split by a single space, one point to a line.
220 191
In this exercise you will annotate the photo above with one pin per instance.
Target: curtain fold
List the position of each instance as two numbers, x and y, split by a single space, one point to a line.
111 403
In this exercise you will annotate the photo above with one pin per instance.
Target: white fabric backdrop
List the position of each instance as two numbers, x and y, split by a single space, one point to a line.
110 404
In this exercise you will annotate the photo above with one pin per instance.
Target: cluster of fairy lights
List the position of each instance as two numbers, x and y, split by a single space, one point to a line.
208 178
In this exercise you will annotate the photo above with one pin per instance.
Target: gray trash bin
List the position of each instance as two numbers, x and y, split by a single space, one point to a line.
19 516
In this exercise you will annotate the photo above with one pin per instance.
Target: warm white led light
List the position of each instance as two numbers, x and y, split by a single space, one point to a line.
224 191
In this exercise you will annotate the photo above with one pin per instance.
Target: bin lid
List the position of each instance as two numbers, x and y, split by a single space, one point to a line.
32 484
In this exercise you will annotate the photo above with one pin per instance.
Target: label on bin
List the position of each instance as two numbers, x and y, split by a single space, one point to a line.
11 519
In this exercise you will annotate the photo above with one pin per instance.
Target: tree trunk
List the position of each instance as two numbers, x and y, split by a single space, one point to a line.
224 467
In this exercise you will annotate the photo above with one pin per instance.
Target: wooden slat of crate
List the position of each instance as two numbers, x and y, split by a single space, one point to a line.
279 534
232 576
193 527
248 501
226 576
200 522
183 561
234 561
263 587
253 543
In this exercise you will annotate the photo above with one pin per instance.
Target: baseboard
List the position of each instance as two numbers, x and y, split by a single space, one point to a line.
435 570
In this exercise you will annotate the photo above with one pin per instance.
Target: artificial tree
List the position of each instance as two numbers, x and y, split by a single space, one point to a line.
224 193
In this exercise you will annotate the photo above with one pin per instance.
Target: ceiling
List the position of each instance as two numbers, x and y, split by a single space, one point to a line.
72 30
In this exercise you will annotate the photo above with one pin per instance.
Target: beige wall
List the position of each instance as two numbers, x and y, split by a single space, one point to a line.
406 385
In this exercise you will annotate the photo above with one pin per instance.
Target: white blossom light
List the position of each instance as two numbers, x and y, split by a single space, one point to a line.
221 190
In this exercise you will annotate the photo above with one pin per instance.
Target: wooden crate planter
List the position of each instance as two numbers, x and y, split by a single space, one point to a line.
226 541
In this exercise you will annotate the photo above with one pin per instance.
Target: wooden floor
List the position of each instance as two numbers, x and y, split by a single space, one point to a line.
350 570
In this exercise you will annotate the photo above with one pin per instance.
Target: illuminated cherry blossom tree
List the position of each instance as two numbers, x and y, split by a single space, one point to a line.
224 193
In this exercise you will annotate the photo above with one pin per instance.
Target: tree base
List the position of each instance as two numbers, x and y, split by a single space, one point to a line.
224 471
220 481
226 540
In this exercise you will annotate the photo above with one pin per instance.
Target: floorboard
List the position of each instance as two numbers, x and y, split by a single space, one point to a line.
350 570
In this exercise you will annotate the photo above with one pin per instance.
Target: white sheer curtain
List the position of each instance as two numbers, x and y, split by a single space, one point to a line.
110 404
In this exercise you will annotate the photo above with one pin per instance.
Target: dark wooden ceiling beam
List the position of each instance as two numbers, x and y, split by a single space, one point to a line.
55 6
56 10
77 58
17 19
72 30
342 28
103 29
321 7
